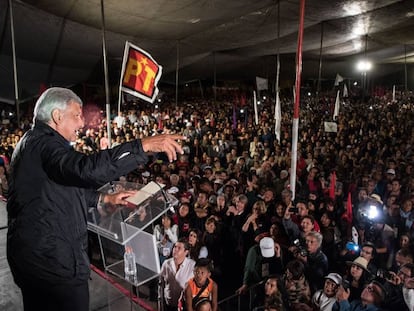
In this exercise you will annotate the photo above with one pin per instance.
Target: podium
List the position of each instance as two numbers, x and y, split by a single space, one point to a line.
121 226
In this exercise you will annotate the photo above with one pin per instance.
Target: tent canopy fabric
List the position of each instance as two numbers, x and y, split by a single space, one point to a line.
59 42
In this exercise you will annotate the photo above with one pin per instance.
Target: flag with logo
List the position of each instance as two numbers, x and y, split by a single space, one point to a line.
140 73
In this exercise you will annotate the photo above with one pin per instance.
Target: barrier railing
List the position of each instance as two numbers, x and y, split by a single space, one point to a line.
240 302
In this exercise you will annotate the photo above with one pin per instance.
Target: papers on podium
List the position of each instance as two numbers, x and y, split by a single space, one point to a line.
144 193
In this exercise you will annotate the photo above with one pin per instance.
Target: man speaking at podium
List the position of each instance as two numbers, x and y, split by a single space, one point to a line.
51 188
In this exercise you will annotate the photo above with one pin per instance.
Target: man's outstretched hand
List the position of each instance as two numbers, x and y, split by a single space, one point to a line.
164 143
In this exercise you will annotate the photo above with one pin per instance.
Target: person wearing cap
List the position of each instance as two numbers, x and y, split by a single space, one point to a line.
371 299
262 260
357 277
324 299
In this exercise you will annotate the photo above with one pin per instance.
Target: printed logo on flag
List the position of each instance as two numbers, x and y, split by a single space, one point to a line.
140 73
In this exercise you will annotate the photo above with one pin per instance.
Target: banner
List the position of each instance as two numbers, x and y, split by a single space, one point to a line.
330 127
140 73
261 83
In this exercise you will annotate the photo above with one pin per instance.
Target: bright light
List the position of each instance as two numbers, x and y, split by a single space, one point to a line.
258 102
364 65
373 212
156 106
355 83
309 94
159 100
241 110
264 97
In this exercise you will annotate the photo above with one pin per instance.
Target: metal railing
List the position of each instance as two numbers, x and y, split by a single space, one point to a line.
240 302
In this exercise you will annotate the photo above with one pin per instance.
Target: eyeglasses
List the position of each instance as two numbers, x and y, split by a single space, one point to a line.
372 290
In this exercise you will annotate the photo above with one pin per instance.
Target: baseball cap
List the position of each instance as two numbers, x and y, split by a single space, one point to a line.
335 277
267 247
391 171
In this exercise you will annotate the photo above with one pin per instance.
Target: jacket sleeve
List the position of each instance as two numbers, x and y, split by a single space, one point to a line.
69 167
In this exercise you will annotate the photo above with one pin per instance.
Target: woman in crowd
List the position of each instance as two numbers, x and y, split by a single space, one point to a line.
166 234
357 277
197 249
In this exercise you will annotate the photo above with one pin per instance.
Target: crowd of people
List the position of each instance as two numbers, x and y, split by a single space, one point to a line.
342 241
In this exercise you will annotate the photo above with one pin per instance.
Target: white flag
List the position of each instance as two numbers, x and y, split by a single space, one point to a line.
336 110
345 94
256 117
338 79
393 93
261 83
278 117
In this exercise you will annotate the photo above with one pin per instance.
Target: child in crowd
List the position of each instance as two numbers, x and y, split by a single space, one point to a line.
201 287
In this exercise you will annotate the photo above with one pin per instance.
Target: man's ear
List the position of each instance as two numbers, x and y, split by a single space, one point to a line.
56 116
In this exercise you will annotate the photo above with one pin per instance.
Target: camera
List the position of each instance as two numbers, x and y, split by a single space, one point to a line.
345 284
294 210
370 211
384 274
301 250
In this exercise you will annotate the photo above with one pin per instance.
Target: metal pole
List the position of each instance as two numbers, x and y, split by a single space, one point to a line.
176 74
405 68
215 77
295 126
105 64
16 88
318 89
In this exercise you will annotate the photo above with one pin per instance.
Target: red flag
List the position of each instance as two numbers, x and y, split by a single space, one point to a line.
349 208
332 186
140 73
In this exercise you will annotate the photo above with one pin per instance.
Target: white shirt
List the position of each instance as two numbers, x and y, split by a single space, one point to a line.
408 294
323 302
175 281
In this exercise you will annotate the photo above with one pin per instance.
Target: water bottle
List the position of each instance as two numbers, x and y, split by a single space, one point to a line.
130 263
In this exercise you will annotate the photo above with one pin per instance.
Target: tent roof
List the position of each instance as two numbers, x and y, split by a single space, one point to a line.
59 42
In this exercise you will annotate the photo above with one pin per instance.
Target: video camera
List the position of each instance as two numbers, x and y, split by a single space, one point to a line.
384 274
301 249
369 213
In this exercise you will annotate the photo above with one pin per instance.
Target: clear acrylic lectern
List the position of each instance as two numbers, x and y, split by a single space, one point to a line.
121 226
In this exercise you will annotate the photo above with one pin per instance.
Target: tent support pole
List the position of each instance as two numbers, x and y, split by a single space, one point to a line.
16 87
105 64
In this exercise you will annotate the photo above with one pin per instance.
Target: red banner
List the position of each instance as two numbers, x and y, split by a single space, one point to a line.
140 73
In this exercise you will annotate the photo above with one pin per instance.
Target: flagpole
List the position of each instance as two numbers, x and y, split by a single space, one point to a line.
320 65
105 64
295 126
176 74
277 101
16 87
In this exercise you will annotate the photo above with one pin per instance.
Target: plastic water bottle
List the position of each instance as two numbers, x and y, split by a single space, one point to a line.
130 263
